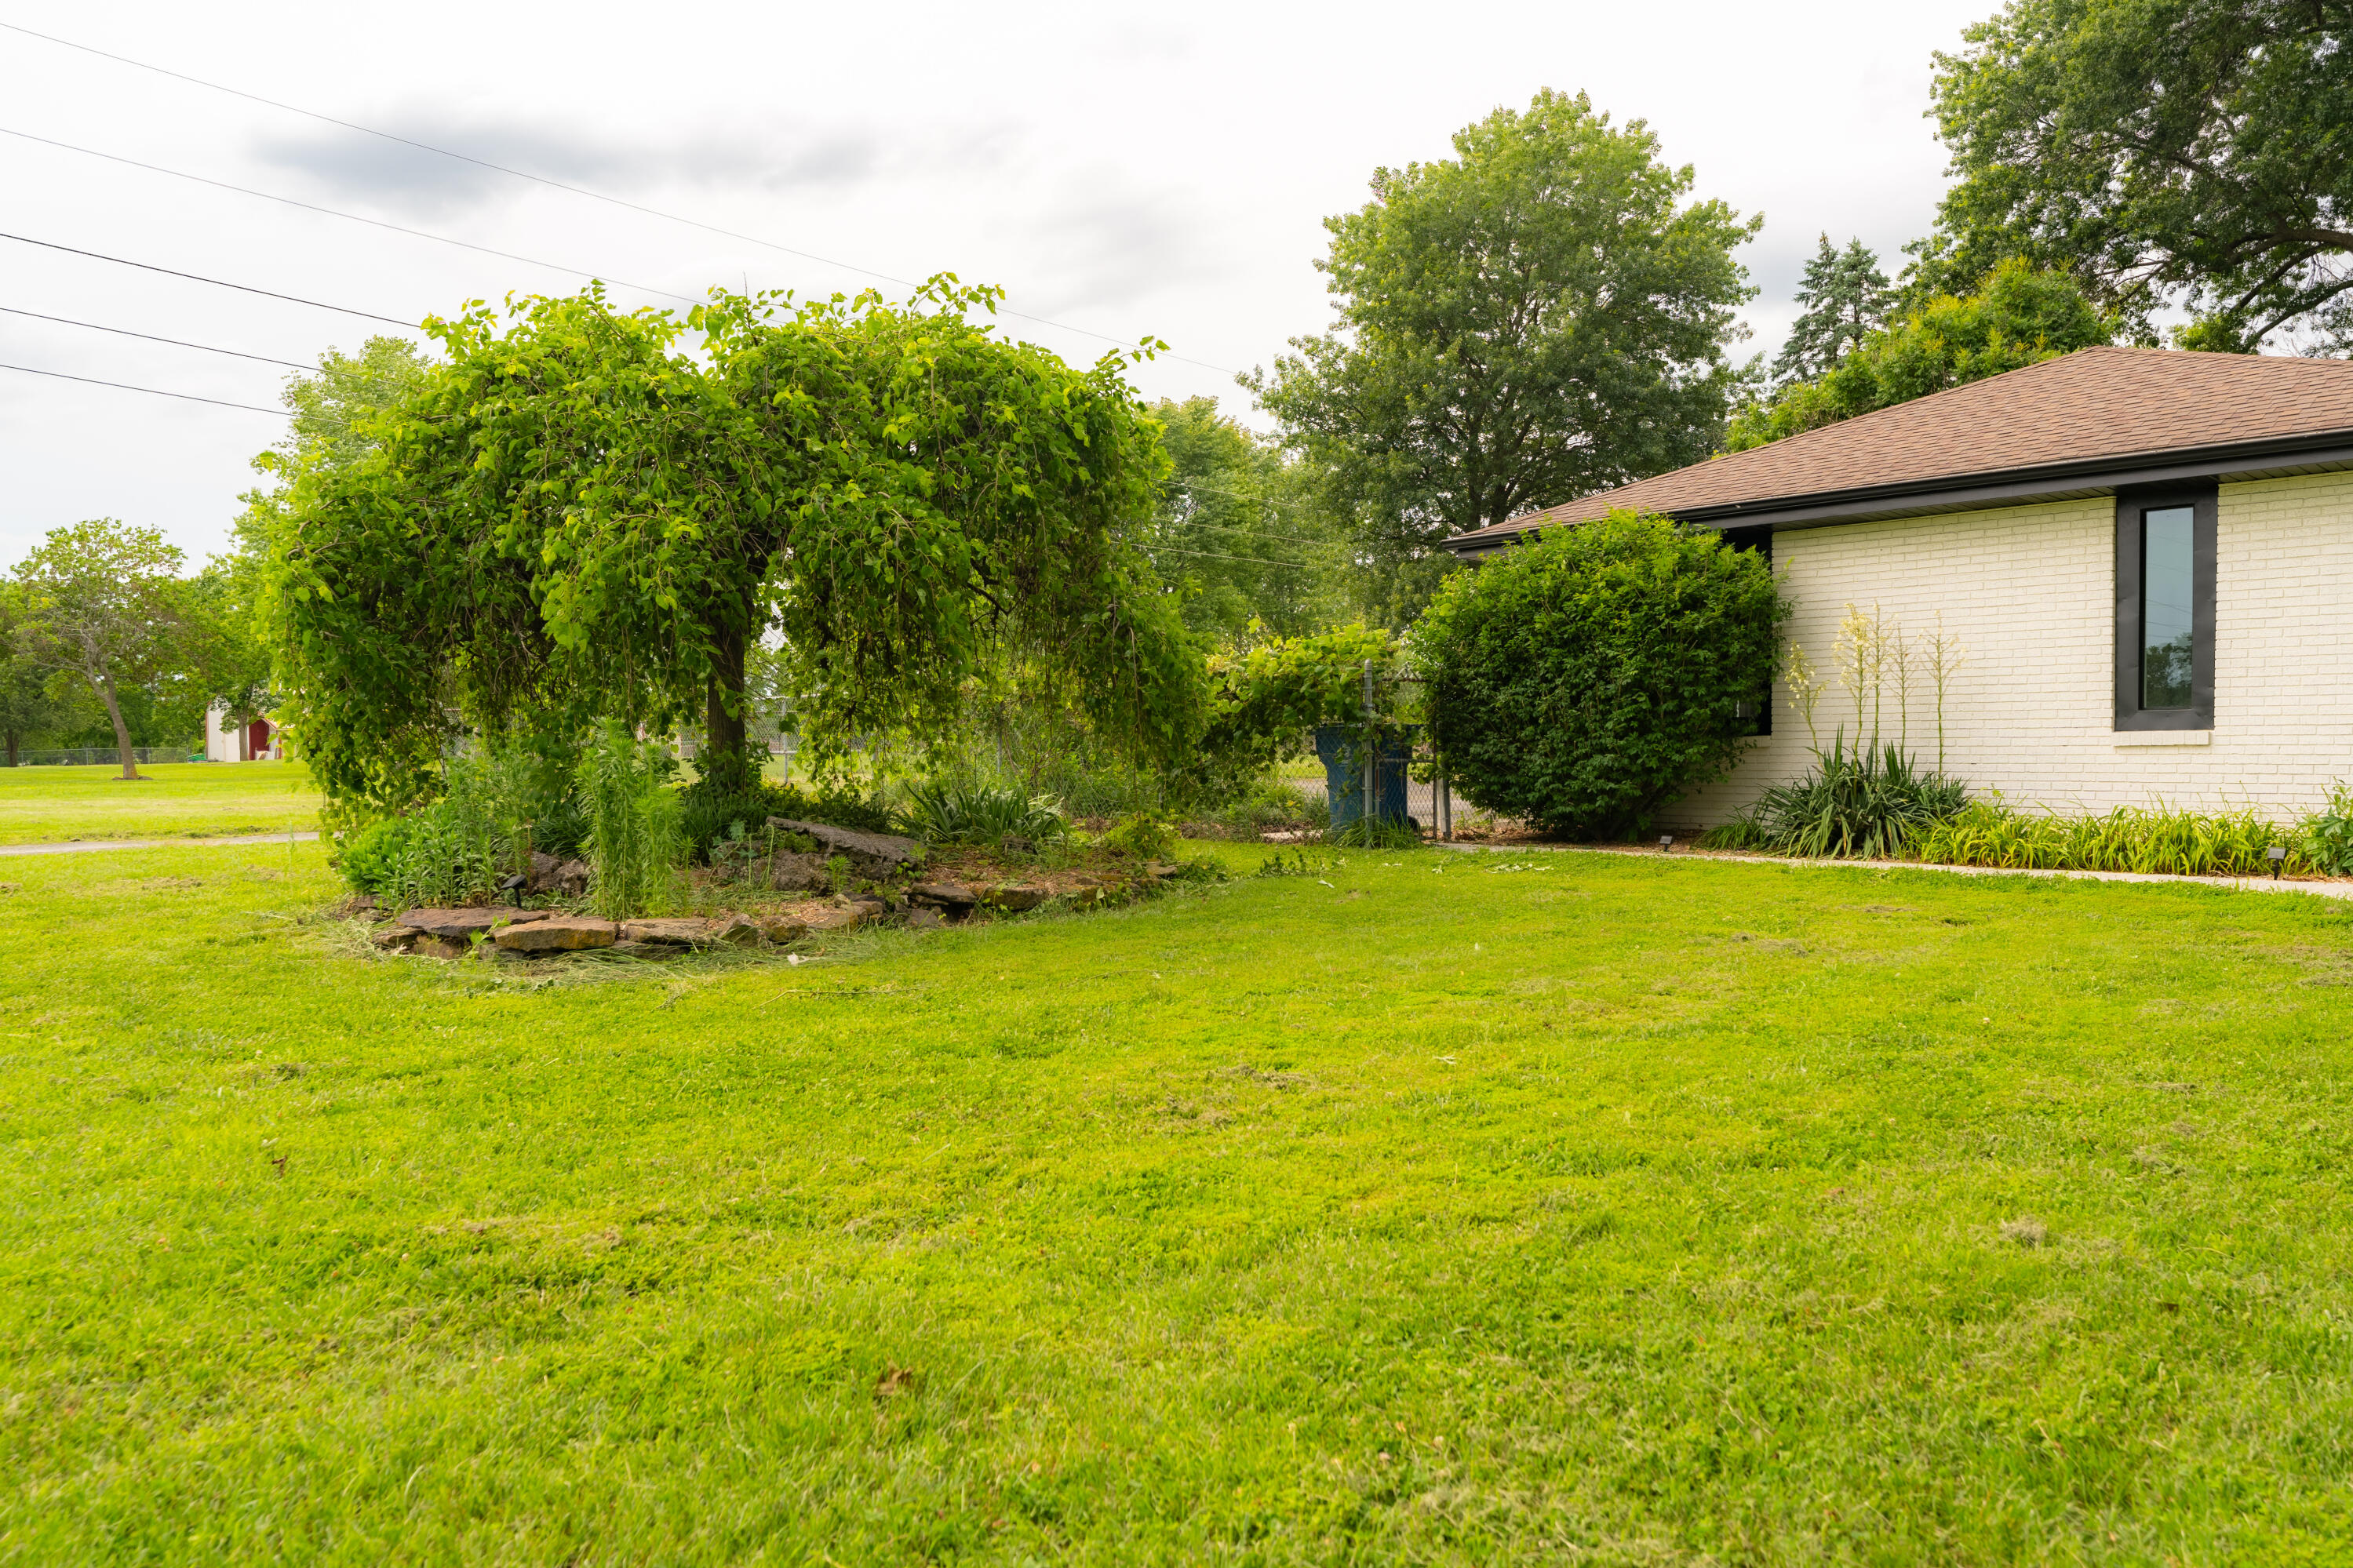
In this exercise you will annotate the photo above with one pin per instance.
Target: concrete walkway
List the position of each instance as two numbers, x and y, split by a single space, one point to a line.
2338 889
84 845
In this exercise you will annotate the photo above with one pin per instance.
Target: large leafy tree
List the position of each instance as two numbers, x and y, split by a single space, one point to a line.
2192 153
1843 299
2021 317
573 520
104 603
26 705
1539 317
334 412
1243 533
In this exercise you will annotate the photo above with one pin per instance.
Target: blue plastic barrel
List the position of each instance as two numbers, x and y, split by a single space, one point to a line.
1339 747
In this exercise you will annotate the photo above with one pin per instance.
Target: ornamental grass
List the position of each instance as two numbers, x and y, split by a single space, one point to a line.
2159 839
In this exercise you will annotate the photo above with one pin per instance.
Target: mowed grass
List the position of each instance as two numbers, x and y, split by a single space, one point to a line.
1607 1210
176 800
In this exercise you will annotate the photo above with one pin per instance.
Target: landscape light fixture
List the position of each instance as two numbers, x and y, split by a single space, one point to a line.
2276 855
1666 843
512 888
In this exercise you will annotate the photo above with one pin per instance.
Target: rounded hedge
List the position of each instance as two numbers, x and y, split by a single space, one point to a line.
1585 680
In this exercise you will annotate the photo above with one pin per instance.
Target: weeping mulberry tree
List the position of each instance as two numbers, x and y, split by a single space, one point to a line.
573 520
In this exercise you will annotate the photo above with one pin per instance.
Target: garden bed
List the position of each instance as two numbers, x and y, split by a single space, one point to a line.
757 904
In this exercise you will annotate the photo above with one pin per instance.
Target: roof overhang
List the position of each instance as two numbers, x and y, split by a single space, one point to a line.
2273 459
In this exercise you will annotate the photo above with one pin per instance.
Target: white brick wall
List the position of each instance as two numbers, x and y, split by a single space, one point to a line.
2029 590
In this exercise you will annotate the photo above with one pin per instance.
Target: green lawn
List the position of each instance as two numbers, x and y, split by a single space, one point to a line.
41 806
1610 1210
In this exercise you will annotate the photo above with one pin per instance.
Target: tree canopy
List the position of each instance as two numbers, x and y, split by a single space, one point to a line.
26 705
2021 316
1242 534
572 521
1843 299
2191 153
102 602
1539 317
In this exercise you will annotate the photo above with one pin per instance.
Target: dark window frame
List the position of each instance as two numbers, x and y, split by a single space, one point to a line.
2130 506
1760 539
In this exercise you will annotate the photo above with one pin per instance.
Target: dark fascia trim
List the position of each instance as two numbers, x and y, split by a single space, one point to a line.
2013 487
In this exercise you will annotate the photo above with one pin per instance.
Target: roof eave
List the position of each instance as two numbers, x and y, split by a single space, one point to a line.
1964 492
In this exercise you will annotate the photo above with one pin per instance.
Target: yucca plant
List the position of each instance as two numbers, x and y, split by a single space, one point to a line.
951 811
1870 804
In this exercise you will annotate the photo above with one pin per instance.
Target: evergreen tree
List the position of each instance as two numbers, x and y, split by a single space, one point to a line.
1845 298
2021 317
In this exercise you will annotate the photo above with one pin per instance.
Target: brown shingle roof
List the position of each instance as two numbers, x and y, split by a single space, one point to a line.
2095 405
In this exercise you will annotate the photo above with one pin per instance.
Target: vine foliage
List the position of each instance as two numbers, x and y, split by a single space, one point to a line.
574 520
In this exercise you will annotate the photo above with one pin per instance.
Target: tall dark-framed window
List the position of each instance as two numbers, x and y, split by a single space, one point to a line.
2165 609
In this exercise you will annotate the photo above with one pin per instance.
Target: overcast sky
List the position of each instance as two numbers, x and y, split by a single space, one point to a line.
1162 171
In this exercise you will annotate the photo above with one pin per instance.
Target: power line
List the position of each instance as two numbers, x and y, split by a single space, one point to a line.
1207 555
349 217
557 184
216 282
151 391
1237 496
1253 532
176 343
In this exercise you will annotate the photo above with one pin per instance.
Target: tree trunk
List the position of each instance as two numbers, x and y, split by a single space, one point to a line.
726 759
12 748
121 731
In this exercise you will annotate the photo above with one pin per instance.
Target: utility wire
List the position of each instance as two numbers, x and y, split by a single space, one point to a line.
349 217
216 282
176 343
556 185
1207 556
151 391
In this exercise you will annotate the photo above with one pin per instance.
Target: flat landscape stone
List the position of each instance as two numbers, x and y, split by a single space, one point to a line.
1015 896
466 922
783 929
792 873
875 853
562 933
943 893
686 931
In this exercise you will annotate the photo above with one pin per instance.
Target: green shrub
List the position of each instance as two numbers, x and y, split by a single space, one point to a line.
1147 835
710 814
2129 838
369 857
456 850
951 811
1585 680
2326 837
560 826
1868 805
635 838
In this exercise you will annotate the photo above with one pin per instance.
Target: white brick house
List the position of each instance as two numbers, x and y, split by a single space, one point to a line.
2078 524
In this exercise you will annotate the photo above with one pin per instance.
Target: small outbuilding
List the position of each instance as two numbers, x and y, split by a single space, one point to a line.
2145 556
228 740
